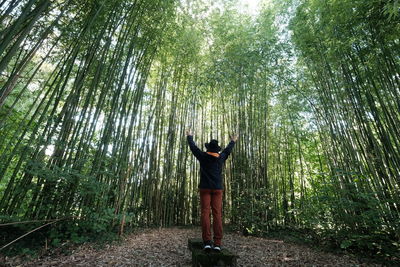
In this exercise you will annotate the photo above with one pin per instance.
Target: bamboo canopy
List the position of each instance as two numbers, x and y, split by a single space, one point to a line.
95 98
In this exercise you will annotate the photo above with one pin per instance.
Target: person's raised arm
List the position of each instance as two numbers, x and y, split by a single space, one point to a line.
225 153
192 145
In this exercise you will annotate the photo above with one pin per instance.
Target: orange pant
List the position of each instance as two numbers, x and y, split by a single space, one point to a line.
213 198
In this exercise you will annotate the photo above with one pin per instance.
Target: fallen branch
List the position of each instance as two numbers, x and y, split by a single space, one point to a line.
22 236
5 224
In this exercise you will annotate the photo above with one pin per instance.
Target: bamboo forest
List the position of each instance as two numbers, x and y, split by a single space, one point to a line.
96 97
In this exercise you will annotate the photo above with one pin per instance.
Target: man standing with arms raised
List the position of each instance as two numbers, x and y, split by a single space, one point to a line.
211 189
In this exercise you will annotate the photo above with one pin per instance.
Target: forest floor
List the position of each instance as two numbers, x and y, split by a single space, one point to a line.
168 247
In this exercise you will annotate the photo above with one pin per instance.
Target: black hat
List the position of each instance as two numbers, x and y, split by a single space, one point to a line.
213 146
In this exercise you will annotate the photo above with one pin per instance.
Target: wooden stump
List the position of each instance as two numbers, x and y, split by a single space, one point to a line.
200 258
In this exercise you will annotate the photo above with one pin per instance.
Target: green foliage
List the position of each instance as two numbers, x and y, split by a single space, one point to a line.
95 227
392 9
253 211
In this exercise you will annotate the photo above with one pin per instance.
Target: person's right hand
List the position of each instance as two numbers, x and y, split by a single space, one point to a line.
234 137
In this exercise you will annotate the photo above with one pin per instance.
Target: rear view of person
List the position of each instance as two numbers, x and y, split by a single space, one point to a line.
211 189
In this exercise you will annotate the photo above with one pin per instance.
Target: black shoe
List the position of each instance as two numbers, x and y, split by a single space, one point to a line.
207 246
217 248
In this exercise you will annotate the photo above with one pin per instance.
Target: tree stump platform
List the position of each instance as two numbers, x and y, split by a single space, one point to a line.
201 258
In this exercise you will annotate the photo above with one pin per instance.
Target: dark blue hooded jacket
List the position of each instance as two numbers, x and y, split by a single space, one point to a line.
210 165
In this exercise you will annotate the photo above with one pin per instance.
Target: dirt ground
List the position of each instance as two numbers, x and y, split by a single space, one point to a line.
168 247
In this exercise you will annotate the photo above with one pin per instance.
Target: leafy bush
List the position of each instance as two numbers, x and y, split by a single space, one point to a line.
95 227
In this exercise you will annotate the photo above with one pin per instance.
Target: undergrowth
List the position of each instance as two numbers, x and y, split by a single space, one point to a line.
367 248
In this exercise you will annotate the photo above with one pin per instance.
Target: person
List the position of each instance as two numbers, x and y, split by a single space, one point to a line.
210 187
